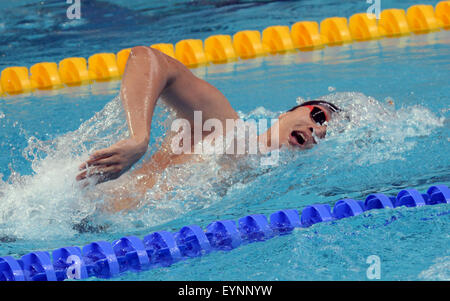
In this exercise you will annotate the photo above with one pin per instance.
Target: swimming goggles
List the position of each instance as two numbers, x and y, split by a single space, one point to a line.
317 114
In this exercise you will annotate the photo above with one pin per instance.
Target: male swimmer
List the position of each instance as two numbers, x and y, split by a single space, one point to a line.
150 75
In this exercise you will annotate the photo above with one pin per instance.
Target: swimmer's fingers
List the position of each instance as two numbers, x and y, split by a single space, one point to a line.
103 153
98 156
100 162
81 176
103 173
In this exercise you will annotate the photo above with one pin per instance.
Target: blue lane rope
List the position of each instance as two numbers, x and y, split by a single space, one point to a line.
161 249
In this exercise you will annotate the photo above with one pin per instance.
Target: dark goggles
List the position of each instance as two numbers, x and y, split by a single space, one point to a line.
318 115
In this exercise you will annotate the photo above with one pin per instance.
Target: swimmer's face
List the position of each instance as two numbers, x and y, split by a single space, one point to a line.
297 127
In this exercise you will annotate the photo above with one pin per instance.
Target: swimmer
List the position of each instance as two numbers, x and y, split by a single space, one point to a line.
151 75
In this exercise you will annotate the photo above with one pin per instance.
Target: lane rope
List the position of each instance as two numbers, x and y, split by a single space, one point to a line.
246 44
102 259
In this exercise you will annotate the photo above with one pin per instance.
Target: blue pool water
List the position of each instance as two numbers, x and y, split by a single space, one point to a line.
383 148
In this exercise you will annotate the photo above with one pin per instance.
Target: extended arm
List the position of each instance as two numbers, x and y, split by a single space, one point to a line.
149 75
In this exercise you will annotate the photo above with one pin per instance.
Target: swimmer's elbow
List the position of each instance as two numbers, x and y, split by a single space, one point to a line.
154 58
139 51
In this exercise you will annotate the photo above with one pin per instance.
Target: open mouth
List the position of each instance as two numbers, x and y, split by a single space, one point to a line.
298 137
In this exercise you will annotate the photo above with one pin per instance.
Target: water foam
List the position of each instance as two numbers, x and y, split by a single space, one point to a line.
440 271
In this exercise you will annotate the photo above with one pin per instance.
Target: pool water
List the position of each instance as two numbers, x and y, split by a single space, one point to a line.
393 134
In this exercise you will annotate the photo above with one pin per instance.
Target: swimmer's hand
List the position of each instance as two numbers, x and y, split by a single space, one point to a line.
110 163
